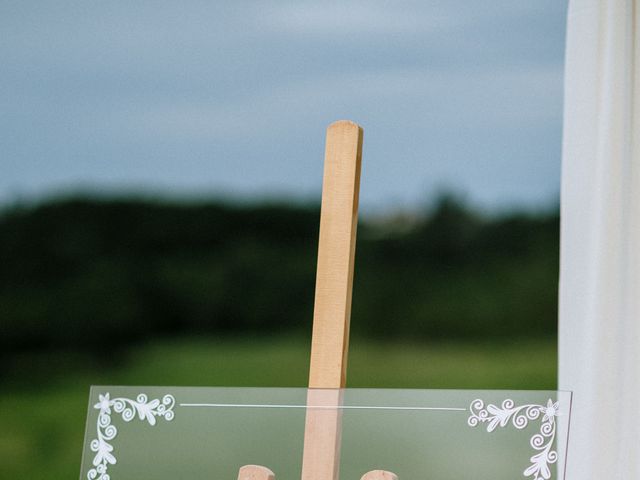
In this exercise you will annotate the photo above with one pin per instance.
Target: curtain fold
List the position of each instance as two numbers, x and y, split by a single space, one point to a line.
599 300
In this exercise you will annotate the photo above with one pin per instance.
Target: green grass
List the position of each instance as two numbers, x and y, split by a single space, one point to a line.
43 399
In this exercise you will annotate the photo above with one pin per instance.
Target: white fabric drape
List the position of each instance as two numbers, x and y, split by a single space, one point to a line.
599 330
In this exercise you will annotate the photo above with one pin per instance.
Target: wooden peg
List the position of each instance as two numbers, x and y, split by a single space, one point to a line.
255 472
379 475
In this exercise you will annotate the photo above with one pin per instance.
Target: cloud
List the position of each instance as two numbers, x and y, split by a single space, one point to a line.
111 90
372 18
520 96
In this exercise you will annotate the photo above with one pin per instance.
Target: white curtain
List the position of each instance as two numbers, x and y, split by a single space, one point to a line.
599 332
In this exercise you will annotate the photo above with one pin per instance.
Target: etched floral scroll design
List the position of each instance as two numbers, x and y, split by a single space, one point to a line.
520 416
144 408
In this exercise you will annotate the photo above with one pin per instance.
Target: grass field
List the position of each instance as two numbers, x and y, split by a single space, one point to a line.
43 398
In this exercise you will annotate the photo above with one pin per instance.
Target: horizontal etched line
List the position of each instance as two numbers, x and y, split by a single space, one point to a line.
323 407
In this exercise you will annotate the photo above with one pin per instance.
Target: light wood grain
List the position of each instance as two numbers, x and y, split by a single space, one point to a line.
379 475
336 253
255 472
332 308
322 435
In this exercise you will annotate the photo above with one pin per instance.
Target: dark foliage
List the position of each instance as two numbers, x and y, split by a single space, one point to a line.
89 273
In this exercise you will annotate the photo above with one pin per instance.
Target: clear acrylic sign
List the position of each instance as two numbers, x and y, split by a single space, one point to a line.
164 433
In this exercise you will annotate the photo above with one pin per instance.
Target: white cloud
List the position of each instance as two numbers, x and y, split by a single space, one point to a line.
525 96
329 18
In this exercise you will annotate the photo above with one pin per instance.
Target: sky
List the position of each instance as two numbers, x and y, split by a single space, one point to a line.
232 98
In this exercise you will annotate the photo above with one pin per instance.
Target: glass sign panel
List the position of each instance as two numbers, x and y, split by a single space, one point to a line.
164 433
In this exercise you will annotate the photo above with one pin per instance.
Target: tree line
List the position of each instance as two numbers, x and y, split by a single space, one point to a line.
93 273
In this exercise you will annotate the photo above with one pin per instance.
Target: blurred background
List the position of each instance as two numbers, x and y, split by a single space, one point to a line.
160 179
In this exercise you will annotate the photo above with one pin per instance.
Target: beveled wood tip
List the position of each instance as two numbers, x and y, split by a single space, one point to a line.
255 472
379 475
343 124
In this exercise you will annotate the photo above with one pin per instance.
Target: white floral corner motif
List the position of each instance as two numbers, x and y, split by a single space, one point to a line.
127 408
520 417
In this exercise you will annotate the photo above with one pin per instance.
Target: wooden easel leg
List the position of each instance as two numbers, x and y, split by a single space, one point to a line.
379 475
332 308
336 254
255 472
322 435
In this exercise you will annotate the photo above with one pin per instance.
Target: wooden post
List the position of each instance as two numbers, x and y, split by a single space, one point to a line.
336 253
332 309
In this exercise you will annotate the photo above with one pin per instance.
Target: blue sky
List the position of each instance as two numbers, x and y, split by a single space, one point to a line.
233 97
